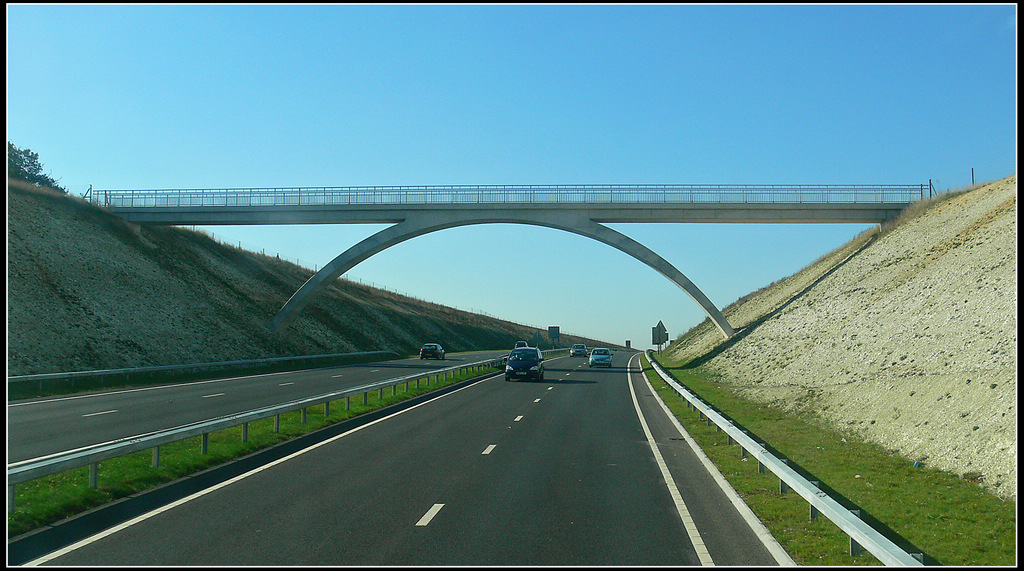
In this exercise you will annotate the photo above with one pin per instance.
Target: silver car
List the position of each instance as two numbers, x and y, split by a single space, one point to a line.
600 357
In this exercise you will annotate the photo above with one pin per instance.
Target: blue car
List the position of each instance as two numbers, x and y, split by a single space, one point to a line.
600 357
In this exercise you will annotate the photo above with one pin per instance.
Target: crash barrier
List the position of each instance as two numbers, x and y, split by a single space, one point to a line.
861 534
25 386
91 456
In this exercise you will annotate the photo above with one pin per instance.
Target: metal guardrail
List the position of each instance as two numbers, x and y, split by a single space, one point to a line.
861 534
510 194
26 470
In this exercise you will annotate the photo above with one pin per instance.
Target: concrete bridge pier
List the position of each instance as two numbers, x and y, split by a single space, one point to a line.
418 223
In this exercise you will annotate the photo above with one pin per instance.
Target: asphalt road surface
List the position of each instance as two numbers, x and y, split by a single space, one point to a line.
583 468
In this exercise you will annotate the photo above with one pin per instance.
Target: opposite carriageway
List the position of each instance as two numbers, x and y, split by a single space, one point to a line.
580 209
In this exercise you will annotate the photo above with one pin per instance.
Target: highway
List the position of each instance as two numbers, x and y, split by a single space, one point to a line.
578 469
38 427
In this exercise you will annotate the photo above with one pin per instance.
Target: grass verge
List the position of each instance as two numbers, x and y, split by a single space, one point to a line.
46 500
951 520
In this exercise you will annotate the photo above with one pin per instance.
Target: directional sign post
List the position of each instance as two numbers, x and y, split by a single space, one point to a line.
659 335
553 335
536 339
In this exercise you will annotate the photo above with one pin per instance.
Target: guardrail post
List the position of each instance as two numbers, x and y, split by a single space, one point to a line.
782 484
814 511
277 423
303 415
94 475
855 548
156 456
204 447
245 432
327 409
348 403
10 497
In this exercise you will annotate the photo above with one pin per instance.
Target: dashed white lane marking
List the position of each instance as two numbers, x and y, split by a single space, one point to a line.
286 384
429 515
335 376
536 400
213 395
549 388
99 413
684 513
518 418
489 448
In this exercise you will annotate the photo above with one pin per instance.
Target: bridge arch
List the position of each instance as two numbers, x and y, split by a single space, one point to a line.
420 223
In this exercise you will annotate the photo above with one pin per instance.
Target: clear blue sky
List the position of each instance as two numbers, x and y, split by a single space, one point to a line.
189 96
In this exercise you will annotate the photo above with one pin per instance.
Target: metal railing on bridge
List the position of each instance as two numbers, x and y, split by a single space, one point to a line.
512 194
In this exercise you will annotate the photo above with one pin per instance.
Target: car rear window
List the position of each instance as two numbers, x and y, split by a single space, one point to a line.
523 355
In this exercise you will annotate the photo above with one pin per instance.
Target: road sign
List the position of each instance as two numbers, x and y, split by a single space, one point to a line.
659 334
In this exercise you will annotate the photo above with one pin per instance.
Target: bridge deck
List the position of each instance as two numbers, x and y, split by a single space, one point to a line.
601 203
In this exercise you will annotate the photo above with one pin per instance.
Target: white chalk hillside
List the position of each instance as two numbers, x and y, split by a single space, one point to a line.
906 337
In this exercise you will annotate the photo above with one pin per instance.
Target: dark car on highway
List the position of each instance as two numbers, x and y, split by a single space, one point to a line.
431 351
525 363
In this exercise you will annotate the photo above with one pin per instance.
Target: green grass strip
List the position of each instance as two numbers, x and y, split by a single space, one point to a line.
47 500
952 520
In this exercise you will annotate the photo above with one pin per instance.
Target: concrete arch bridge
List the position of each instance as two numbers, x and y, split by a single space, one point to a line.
581 209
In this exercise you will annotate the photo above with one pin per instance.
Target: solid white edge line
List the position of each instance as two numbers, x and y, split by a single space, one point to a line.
684 513
145 516
756 525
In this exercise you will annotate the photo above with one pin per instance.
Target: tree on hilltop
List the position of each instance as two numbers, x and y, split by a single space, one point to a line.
23 164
